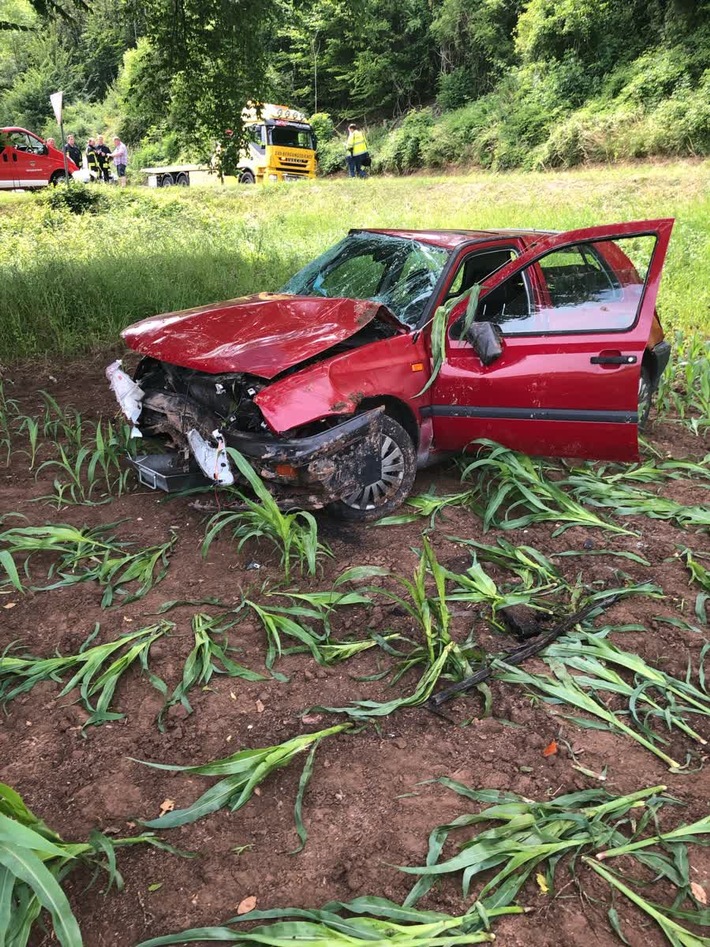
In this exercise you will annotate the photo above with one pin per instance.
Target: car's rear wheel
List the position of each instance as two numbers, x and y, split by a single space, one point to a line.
645 398
392 468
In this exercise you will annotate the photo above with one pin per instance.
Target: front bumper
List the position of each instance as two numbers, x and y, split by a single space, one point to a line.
311 471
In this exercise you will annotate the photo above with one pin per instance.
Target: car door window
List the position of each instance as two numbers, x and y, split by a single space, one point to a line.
586 287
476 267
20 141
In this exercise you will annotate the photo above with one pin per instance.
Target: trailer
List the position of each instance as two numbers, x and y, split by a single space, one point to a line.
180 175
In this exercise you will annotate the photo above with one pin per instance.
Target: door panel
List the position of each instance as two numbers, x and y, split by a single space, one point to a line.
575 314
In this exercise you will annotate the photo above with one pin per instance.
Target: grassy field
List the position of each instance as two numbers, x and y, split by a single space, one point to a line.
71 282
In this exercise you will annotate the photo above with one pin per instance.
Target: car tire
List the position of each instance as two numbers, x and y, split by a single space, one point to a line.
182 180
246 177
167 180
645 398
59 177
398 470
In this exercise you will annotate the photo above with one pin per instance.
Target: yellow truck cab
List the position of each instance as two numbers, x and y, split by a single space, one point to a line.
281 145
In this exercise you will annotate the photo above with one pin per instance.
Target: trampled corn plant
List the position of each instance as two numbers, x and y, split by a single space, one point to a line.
701 576
243 772
652 470
564 688
206 658
510 483
525 835
538 577
295 535
33 862
85 554
95 670
291 622
429 505
652 694
366 920
626 500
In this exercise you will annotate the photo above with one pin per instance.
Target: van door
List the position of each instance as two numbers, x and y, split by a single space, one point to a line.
8 163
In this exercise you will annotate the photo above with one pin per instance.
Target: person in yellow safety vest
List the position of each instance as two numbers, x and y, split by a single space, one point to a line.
358 156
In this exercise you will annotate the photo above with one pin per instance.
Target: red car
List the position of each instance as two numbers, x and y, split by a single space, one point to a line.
27 161
366 364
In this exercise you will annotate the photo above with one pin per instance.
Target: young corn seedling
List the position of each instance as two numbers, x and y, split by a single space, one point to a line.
9 410
295 535
685 388
95 671
376 922
429 505
287 621
243 772
34 860
511 483
437 651
206 658
85 554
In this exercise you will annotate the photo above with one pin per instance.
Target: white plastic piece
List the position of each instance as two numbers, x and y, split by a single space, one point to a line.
213 461
128 394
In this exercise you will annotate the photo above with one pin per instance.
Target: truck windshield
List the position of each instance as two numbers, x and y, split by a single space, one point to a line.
290 135
399 273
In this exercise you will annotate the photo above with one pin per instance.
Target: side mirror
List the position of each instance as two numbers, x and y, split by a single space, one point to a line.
486 340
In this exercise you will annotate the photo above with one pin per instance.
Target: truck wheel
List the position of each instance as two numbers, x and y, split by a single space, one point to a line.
246 177
182 180
59 177
167 180
395 466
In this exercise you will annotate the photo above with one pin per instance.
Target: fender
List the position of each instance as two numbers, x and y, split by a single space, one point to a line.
396 368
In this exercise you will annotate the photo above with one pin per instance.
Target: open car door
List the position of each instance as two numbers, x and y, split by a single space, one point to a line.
567 326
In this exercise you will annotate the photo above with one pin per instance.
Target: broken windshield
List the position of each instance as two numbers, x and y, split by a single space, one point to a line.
400 274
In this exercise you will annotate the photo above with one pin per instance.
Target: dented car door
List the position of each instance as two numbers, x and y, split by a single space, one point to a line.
573 315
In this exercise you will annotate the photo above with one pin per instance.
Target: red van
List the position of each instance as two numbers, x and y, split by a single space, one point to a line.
26 161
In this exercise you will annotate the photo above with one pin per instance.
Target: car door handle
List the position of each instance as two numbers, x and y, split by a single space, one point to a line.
613 359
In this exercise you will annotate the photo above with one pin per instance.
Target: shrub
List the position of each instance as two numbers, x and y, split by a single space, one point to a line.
402 150
76 198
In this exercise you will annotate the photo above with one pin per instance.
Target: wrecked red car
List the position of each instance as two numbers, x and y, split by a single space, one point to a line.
371 363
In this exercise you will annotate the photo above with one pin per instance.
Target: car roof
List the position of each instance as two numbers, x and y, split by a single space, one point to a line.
17 128
450 239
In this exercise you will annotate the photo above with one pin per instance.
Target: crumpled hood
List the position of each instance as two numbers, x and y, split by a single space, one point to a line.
262 335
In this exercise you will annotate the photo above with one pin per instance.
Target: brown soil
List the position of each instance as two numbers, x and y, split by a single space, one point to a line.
368 807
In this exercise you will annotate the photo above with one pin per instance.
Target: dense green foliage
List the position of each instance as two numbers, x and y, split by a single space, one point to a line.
497 83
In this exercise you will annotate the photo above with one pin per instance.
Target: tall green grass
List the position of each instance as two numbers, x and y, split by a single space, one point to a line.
71 282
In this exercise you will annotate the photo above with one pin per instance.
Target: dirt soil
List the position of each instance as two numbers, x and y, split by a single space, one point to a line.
370 805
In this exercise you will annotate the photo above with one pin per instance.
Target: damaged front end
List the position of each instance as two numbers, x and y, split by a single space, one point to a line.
195 417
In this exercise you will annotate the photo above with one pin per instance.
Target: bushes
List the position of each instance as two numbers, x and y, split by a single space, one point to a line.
403 148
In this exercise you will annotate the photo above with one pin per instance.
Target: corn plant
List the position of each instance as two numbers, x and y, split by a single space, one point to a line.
206 658
366 920
9 409
625 500
295 535
593 657
429 505
34 860
701 576
520 835
94 467
95 671
244 771
684 389
85 554
563 688
278 621
510 483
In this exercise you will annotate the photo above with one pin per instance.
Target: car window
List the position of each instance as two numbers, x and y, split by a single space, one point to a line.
476 267
19 140
400 273
591 287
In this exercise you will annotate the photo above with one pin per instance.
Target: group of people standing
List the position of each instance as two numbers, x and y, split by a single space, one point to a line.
99 157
